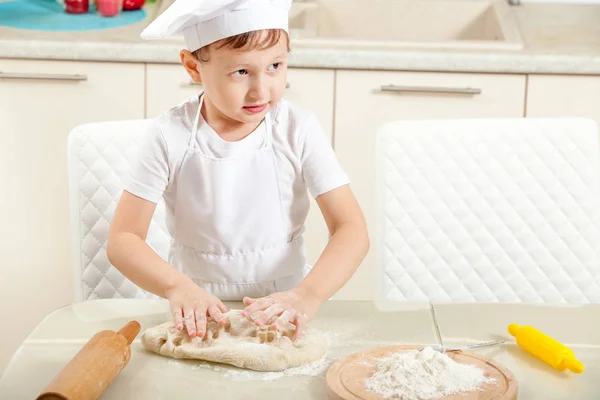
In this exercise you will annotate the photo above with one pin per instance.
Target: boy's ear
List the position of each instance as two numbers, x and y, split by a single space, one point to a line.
190 63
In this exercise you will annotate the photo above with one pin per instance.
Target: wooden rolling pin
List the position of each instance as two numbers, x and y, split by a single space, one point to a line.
96 365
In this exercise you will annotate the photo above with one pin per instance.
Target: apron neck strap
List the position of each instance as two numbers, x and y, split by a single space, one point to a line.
200 98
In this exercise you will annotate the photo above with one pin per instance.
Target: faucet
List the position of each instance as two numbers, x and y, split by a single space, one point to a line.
514 2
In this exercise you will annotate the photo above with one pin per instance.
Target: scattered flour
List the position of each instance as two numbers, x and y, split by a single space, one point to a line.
176 363
423 375
316 368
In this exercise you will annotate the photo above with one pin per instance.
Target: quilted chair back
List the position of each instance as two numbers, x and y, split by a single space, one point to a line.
490 210
99 160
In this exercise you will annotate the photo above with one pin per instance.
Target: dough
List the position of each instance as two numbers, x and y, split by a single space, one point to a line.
240 342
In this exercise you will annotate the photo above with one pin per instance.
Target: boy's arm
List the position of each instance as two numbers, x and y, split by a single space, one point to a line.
342 256
346 248
129 253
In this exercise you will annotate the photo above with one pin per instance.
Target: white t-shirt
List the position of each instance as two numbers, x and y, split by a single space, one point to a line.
304 157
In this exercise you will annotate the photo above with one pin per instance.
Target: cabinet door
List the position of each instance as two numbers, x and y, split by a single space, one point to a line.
563 96
37 113
362 107
168 85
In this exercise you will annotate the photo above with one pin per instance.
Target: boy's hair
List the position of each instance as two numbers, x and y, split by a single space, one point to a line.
254 40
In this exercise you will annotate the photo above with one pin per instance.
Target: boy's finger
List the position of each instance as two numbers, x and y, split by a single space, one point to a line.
222 307
200 320
275 309
258 305
301 322
189 321
177 317
285 318
248 300
215 314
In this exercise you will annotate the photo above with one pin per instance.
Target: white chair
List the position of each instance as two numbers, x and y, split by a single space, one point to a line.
99 162
490 210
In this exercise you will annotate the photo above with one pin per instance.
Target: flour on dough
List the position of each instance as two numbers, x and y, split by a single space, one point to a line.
240 342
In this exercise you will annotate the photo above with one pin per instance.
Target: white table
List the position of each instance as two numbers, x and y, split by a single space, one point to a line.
352 326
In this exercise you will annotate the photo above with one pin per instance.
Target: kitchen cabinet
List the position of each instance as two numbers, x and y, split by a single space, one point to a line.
563 96
40 102
367 99
169 85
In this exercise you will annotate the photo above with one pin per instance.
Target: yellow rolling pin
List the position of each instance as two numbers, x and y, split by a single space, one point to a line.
542 346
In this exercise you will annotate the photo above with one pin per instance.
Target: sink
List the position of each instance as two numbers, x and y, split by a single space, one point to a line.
405 24
401 24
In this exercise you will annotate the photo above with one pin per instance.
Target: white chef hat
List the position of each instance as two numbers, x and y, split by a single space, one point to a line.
203 22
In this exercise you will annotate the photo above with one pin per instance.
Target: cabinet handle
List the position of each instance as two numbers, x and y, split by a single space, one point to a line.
192 83
44 77
429 89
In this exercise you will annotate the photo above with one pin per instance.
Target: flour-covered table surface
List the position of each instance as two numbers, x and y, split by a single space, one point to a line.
348 326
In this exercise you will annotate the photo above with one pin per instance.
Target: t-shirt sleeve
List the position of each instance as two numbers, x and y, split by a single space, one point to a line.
320 167
149 174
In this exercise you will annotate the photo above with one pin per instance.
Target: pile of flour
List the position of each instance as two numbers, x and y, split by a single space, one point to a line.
423 375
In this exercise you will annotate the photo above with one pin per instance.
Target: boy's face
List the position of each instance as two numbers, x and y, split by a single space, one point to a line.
244 85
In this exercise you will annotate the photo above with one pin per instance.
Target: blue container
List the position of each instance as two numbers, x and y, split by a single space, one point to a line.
47 15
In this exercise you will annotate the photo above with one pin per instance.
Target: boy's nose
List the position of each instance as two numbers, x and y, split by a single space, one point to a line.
258 89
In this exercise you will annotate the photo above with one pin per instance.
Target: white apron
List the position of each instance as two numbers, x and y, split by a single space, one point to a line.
229 231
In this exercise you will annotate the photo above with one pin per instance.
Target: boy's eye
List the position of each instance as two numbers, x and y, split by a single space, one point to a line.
240 72
274 67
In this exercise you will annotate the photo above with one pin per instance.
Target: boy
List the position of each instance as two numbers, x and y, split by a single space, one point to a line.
233 166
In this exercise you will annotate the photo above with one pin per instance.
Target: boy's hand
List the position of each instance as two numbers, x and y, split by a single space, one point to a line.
190 305
294 306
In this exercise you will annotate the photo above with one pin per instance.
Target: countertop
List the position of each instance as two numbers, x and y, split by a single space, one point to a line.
558 39
348 326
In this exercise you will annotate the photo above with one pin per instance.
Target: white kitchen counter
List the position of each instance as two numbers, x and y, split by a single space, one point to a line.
349 326
558 38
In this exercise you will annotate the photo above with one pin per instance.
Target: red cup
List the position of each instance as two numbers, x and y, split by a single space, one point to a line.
77 6
109 8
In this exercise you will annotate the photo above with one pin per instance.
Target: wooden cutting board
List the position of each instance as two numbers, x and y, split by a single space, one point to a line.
346 377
